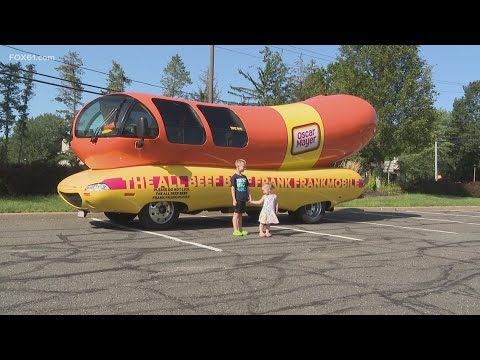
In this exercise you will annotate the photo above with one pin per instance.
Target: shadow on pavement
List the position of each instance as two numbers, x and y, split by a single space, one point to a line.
359 214
225 221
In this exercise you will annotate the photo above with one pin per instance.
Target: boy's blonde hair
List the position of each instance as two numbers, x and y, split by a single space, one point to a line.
240 161
269 183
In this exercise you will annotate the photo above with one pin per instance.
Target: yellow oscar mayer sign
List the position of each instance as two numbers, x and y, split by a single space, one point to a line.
202 188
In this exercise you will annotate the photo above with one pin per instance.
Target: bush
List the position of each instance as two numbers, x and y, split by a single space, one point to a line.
416 169
472 189
391 189
37 178
447 188
371 183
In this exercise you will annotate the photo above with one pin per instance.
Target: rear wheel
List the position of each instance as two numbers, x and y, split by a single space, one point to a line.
159 215
312 213
120 218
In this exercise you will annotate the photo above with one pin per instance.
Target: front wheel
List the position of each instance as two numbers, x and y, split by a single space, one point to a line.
159 215
312 213
120 218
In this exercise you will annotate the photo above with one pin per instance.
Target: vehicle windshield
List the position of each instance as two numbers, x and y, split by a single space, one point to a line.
103 116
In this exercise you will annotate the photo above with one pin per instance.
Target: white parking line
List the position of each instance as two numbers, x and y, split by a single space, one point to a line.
316 233
161 235
473 211
437 213
415 218
396 226
299 230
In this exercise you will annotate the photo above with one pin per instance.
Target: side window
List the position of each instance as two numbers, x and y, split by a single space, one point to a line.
138 111
227 128
182 124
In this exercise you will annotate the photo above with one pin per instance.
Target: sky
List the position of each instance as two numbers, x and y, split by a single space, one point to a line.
453 66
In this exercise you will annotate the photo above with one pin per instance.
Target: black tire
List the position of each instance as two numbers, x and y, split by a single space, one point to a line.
120 218
159 215
312 213
293 216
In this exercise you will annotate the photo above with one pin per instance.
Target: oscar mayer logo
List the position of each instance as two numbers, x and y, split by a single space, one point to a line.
305 138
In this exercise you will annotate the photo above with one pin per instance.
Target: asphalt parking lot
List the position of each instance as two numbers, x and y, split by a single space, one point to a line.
357 261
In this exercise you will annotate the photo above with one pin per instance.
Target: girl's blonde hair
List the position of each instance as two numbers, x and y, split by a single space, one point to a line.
269 183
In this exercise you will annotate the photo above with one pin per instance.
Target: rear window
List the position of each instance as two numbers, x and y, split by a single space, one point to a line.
227 128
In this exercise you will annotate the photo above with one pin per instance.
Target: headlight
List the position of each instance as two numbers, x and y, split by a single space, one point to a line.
97 187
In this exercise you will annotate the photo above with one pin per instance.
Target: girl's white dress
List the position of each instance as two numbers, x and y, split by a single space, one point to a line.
267 214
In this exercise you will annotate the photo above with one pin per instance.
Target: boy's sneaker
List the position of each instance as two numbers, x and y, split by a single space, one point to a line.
237 233
244 232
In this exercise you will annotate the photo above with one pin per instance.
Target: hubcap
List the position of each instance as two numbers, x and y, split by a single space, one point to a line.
161 212
313 210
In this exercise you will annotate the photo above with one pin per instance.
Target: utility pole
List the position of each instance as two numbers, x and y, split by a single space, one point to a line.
210 77
474 168
436 168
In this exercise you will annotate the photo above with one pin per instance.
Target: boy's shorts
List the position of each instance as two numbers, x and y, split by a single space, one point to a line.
240 207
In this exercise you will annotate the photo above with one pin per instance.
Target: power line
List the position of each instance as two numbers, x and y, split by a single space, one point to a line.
238 52
447 82
314 52
186 93
101 72
48 83
81 67
58 78
296 52
223 48
89 85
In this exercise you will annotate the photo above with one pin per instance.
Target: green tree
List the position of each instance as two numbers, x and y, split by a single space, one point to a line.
26 96
419 167
70 71
446 147
465 131
398 83
10 91
202 91
117 80
318 82
309 80
175 77
43 140
271 85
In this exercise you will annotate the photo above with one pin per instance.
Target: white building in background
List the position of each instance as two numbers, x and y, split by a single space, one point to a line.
391 167
65 148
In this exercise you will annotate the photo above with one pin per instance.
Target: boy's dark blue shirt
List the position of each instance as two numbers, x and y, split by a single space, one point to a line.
240 183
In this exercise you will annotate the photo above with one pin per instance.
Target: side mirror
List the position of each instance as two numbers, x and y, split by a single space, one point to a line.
141 130
142 127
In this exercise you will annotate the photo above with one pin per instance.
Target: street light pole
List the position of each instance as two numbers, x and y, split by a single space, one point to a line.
210 77
436 157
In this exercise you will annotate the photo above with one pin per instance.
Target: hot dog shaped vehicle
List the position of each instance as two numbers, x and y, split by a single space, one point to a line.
156 157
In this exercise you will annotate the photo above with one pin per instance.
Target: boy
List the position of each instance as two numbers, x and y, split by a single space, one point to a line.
240 195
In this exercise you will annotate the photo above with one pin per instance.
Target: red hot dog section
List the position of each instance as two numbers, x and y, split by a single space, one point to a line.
306 135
